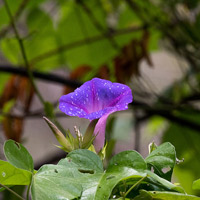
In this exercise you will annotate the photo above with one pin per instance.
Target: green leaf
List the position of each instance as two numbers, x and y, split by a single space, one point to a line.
162 183
130 159
84 160
10 175
152 146
111 178
90 167
163 158
164 196
10 49
13 5
127 164
54 182
82 26
186 142
196 185
17 155
96 183
81 173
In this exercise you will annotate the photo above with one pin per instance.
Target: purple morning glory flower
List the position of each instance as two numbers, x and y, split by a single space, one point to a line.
97 99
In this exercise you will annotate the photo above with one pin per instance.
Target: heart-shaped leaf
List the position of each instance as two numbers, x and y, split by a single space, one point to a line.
163 160
17 155
84 160
54 182
10 175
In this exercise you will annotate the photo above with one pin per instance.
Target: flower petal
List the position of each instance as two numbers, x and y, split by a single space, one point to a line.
95 99
99 131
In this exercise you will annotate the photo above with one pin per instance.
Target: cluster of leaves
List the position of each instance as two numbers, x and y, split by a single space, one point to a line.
81 175
92 39
180 29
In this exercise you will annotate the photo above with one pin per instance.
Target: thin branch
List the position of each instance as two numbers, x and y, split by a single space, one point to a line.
82 42
98 26
139 105
34 114
169 115
18 13
136 124
133 186
22 48
43 76
13 192
29 187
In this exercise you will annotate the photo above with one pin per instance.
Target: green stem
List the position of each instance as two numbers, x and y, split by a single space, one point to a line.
21 45
28 190
27 65
134 186
13 192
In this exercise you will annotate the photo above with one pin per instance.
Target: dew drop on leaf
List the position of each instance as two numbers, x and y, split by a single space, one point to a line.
3 174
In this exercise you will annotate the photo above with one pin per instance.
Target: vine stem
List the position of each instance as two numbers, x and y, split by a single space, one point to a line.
26 62
13 192
28 189
21 45
134 186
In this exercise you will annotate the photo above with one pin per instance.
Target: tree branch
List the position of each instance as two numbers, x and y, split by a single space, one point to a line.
43 76
82 42
167 114
150 111
99 27
23 52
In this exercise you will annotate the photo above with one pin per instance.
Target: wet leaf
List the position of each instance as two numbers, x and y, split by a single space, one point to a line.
163 160
10 175
18 156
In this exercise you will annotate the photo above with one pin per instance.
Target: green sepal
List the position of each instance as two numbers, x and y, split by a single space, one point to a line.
66 145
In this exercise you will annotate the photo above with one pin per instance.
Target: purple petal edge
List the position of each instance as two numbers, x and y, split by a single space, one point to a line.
95 99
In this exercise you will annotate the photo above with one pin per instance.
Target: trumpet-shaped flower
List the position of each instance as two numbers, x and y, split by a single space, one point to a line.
97 99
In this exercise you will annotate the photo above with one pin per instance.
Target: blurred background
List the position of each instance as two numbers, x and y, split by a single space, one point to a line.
49 47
